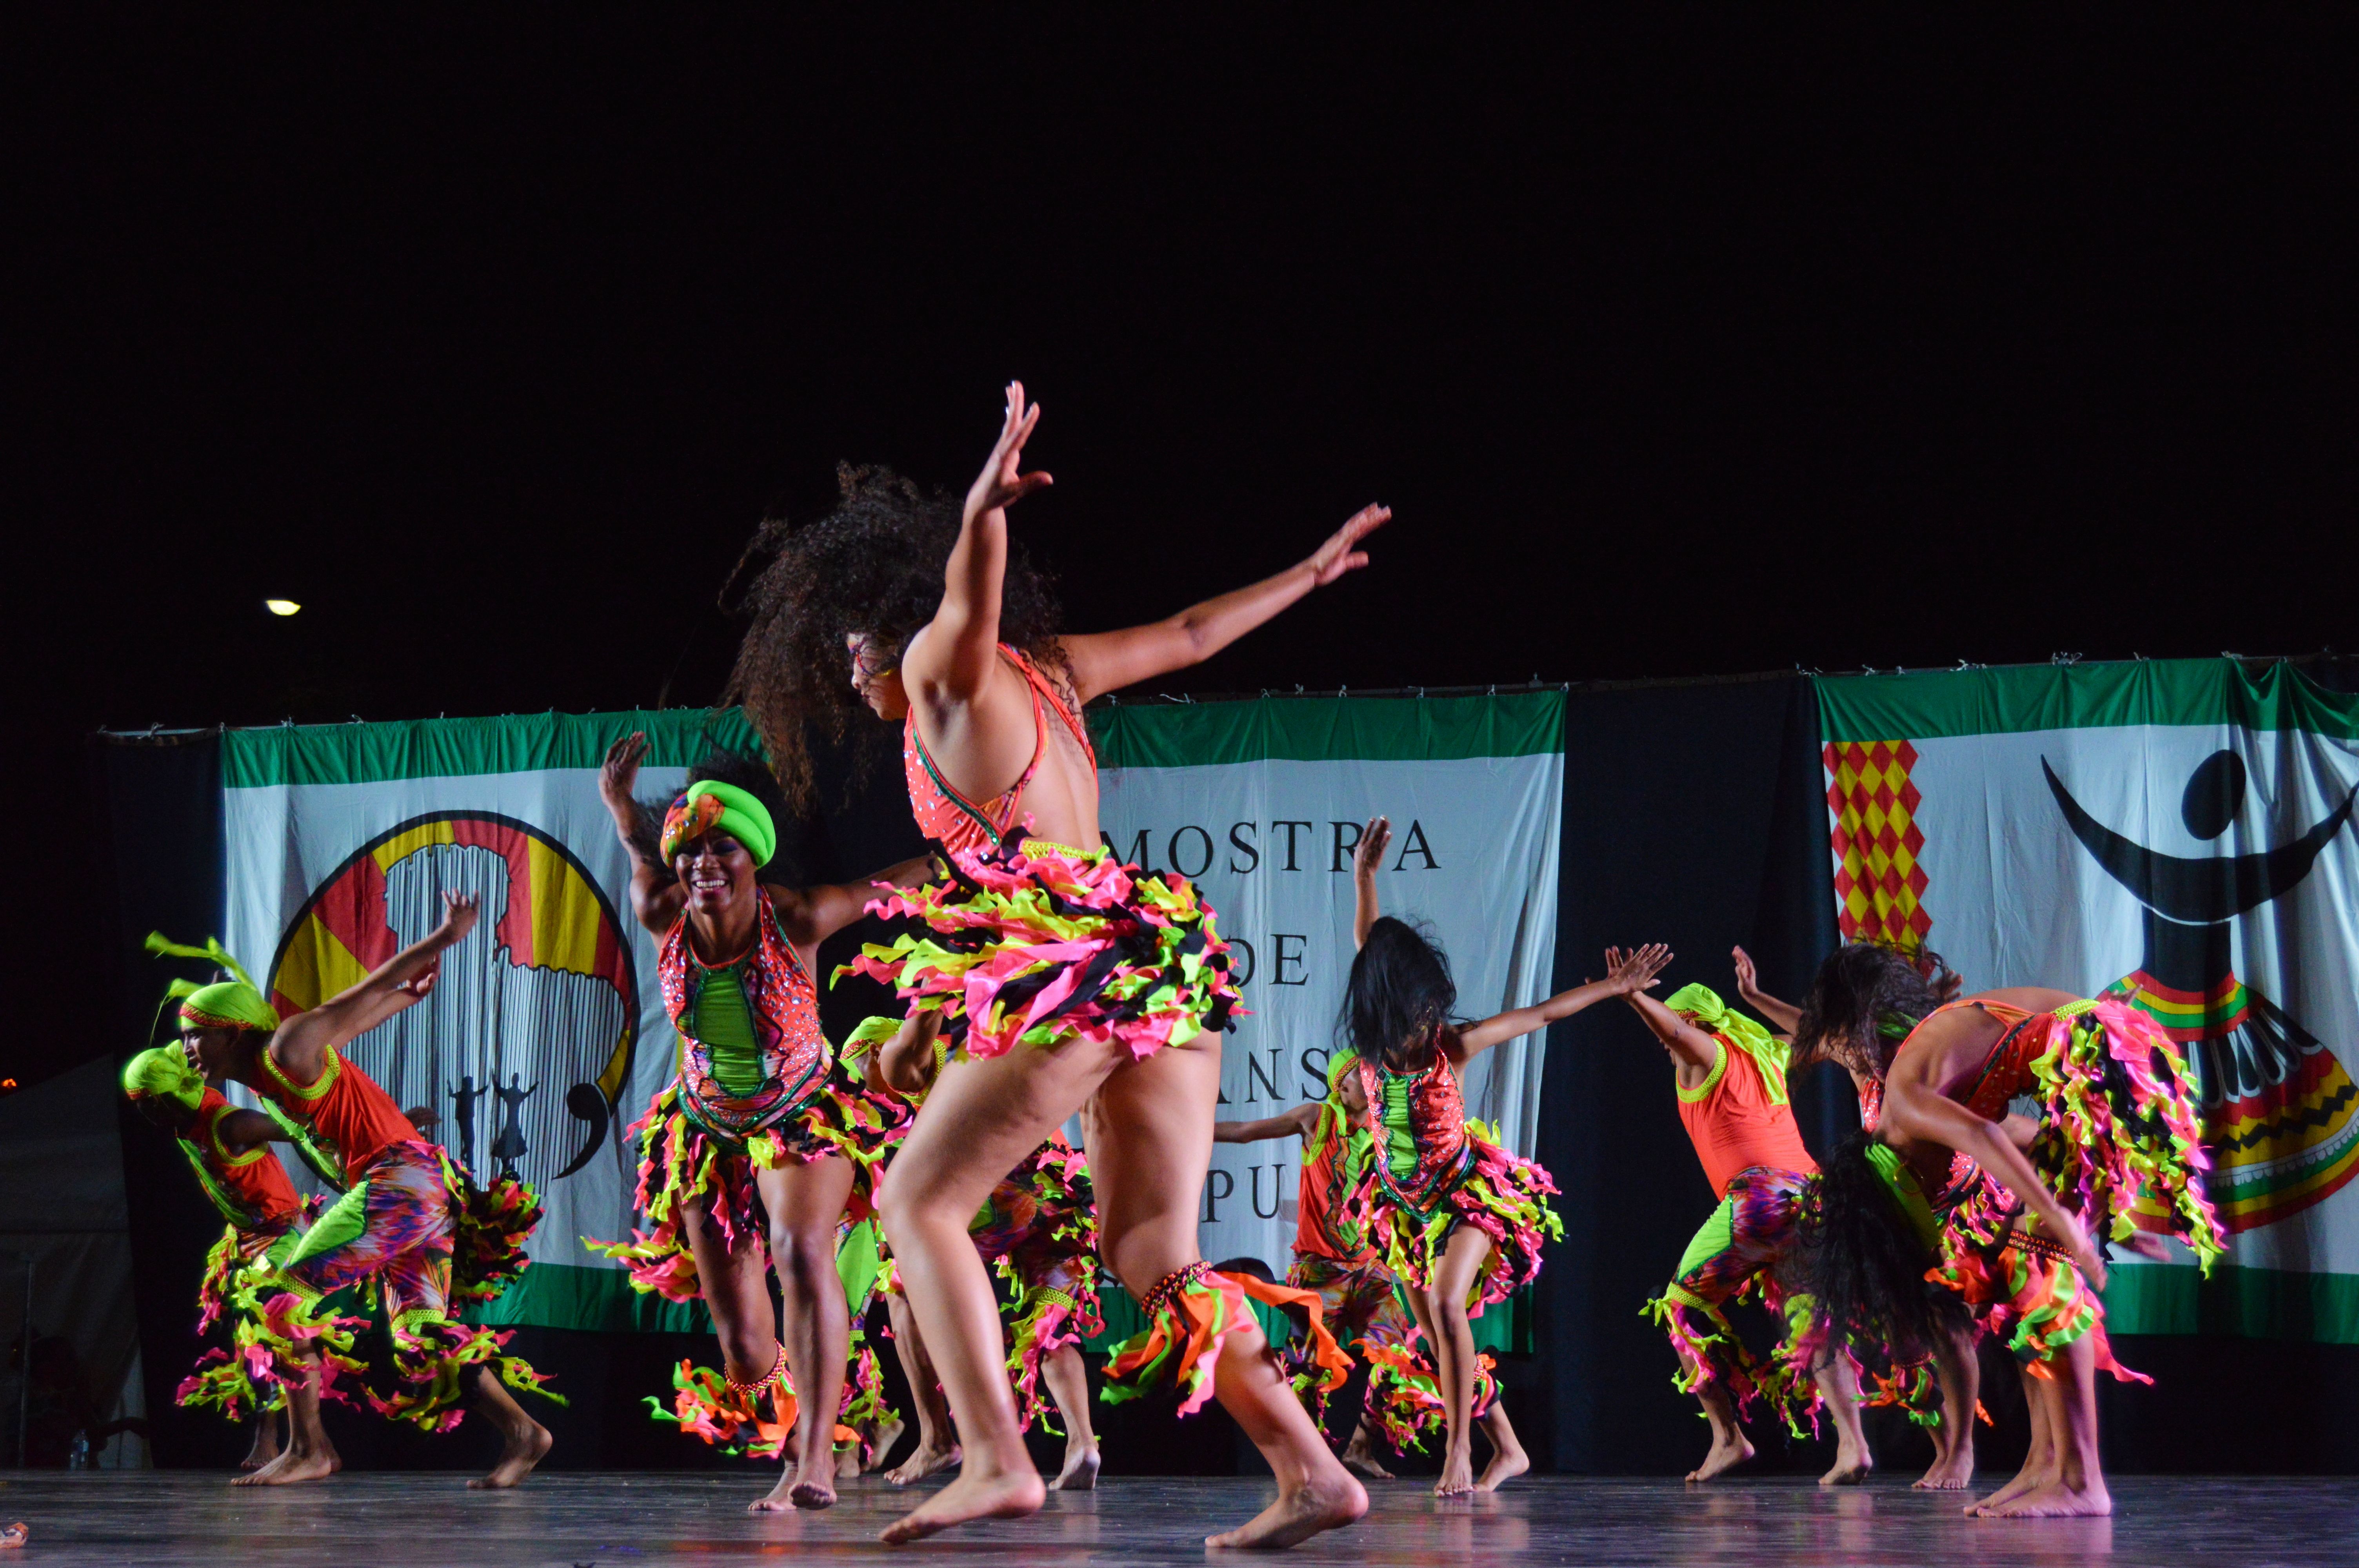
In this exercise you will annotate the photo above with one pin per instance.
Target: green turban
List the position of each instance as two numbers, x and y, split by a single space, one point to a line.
1338 1064
711 804
1701 1005
163 1073
225 1004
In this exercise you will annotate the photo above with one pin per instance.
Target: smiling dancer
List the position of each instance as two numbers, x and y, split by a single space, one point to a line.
760 1120
1459 1218
1729 1076
411 1225
2117 1124
1061 974
1038 1229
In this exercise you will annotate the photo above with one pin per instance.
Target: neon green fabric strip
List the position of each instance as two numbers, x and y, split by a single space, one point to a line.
1711 1238
724 1023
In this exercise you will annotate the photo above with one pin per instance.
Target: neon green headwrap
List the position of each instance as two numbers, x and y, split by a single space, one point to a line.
162 1072
1338 1064
1702 1005
709 804
225 1004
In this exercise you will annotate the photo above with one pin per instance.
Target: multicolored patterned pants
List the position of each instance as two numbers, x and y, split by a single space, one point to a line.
1735 1257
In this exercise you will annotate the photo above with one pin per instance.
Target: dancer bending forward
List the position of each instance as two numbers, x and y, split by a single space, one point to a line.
411 1225
1061 974
1457 1218
761 1122
1039 1230
1730 1079
2118 1127
1362 1299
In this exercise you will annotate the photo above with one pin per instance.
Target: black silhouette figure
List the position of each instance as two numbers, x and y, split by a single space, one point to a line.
464 1100
509 1146
2249 1068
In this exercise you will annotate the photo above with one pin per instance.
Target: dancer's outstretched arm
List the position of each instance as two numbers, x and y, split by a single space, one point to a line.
239 1131
1299 1122
1683 1040
811 915
657 897
1368 859
1782 1015
1913 1110
300 1045
1624 976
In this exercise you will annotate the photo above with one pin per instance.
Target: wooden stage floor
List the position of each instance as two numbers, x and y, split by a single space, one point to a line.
636 1520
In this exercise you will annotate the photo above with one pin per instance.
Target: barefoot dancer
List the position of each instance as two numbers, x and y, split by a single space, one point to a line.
1361 1297
2118 1124
1061 974
1457 1218
1730 1079
1946 1396
410 1223
759 1121
1038 1228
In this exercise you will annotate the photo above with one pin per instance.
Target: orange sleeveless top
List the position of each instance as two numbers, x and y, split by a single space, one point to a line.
964 825
254 1181
1735 1124
1332 1167
346 1111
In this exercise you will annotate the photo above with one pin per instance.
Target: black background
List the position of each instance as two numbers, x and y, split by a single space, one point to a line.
1706 344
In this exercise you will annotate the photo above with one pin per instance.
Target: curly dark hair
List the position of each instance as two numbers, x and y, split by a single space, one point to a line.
1865 998
872 568
1399 998
722 765
1863 1266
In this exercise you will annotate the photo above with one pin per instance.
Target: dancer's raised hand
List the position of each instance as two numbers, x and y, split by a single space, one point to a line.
1634 971
1001 482
460 913
1340 553
1747 981
620 770
1368 856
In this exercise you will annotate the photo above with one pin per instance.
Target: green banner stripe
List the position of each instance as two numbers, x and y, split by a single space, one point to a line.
2255 1303
1932 704
569 1295
446 748
1328 729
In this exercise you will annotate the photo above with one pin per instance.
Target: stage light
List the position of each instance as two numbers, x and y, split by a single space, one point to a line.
280 606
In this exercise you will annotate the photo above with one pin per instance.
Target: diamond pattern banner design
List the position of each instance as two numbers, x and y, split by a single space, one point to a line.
1871 808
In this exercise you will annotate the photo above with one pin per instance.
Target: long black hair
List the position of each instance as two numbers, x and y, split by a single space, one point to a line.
1399 998
873 568
1861 1261
1865 998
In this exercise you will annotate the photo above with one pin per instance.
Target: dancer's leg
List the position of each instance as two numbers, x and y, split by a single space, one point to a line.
1453 1278
1154 1143
1960 1373
938 1447
1838 1390
2039 1459
309 1455
2075 1482
1069 1386
524 1441
737 1295
1508 1459
265 1447
806 1202
1360 1454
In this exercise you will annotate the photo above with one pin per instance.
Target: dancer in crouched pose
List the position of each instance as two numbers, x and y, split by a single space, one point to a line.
411 1225
1459 1218
1063 975
1038 1229
761 1123
2117 1126
1730 1075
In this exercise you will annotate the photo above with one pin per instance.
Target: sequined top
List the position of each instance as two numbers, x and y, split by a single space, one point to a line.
781 1005
950 818
1422 1150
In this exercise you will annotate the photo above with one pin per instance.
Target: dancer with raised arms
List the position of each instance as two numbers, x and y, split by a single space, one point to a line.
761 1120
1061 974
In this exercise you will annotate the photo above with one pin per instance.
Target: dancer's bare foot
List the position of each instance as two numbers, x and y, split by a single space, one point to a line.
1508 1461
1361 1460
1851 1468
2053 1500
1457 1473
971 1496
291 1468
812 1494
882 1445
522 1450
924 1462
1081 1471
2028 1479
1724 1456
1951 1473
14 1536
847 1462
266 1443
1299 1514
781 1499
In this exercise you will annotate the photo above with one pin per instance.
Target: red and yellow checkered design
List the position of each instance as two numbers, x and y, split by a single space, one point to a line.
1879 886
